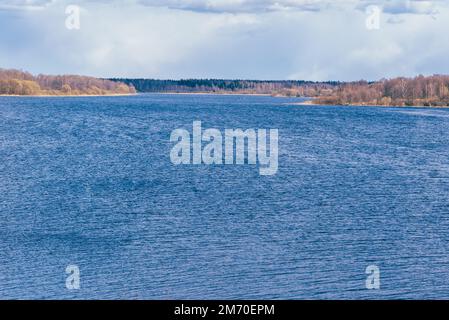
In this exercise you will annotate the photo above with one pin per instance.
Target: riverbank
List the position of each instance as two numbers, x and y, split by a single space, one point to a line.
300 103
312 103
68 95
216 93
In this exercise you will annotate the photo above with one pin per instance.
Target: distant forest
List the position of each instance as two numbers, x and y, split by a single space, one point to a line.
418 91
17 82
271 87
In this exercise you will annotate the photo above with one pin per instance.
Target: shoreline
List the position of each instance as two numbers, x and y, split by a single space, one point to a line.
301 103
312 103
214 93
68 95
140 93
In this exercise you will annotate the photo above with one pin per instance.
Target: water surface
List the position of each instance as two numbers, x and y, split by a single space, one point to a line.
88 181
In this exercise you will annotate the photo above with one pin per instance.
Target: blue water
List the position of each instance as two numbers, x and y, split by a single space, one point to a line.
89 181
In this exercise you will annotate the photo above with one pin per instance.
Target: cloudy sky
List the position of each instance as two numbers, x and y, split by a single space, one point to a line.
249 39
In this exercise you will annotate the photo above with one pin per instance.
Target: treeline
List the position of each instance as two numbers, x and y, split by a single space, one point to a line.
418 91
285 88
17 82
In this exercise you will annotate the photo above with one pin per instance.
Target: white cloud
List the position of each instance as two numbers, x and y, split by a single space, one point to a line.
130 40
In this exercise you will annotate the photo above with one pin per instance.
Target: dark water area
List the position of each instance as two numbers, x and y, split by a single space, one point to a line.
88 181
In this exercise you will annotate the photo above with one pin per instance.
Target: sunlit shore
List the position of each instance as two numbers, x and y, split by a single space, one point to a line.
69 95
313 103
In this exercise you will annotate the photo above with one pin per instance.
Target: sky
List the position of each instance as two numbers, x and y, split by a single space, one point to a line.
317 40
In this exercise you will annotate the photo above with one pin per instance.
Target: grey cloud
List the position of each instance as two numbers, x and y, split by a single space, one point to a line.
241 6
423 7
252 6
24 4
